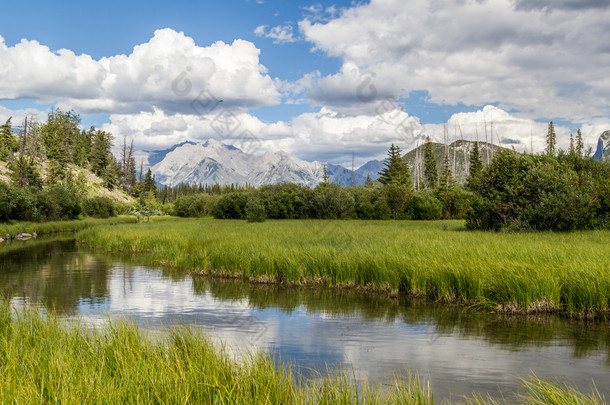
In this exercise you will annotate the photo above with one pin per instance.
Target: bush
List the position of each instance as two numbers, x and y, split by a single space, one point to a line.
11 199
331 201
396 197
424 205
255 210
63 204
195 205
99 207
456 202
231 206
524 192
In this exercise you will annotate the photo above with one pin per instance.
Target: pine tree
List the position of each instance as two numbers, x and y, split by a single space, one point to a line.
580 146
476 166
572 150
446 181
6 140
325 175
551 140
396 169
430 170
101 157
24 173
58 136
369 183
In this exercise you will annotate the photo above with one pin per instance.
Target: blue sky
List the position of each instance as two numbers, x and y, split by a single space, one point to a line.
291 72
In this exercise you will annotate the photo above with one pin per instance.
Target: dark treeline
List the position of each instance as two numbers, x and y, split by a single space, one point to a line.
558 190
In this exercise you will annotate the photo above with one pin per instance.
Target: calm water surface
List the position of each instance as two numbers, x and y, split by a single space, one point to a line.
460 351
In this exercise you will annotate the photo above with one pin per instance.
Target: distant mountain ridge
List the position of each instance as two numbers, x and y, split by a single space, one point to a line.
459 157
212 162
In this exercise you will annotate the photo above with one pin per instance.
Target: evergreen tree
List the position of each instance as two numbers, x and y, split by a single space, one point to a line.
24 173
325 175
101 157
446 181
476 166
551 140
430 170
149 183
6 140
369 183
396 169
58 136
580 146
572 150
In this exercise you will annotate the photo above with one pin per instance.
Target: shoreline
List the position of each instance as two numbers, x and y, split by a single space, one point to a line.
535 274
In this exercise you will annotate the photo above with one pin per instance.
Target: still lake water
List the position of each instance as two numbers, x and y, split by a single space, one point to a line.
313 329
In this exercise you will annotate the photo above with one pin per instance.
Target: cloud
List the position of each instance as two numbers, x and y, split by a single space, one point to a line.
472 52
330 136
561 4
168 72
17 116
326 135
280 34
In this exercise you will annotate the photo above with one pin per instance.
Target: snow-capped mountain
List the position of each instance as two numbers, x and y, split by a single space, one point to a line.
213 162
603 146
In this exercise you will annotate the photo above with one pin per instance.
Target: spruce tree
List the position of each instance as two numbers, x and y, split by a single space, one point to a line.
446 181
396 169
325 175
368 183
6 140
572 150
476 166
580 146
430 170
551 140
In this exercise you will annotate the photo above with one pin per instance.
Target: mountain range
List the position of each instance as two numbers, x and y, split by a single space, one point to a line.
212 162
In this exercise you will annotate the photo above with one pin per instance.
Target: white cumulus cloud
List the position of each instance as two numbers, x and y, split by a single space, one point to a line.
168 72
541 61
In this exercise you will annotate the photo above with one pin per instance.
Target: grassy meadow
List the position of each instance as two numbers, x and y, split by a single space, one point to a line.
15 228
43 360
567 273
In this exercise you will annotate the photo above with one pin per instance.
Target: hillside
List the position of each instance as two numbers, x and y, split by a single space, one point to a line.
459 157
91 184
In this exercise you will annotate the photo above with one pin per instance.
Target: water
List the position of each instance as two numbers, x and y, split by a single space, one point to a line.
314 329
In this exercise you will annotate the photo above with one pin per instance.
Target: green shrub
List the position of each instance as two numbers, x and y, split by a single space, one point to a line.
424 205
255 210
195 205
99 207
231 206
64 205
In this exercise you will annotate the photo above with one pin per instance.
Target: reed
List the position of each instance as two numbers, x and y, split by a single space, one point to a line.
44 360
13 229
534 272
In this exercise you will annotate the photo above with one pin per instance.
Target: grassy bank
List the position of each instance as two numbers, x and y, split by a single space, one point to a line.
41 228
43 361
533 272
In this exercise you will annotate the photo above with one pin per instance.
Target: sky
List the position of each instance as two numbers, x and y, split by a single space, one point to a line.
320 80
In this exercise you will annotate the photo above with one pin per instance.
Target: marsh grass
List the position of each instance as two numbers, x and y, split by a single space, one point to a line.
44 360
567 273
41 228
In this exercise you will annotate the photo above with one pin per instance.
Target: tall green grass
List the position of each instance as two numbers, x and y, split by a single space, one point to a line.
533 272
43 360
13 229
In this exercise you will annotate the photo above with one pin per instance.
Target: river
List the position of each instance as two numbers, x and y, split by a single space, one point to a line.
460 351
